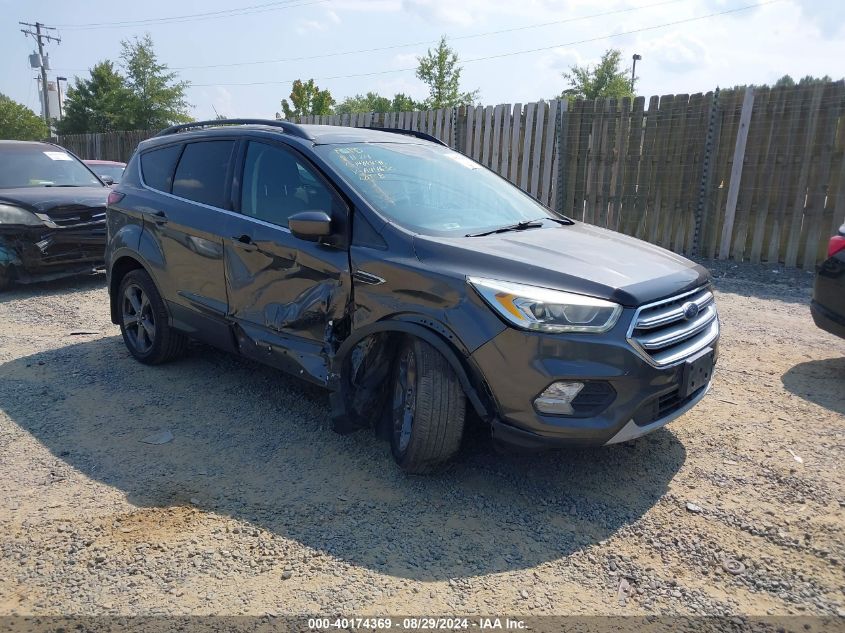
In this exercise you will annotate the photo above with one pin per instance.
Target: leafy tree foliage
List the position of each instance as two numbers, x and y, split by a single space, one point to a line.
17 122
97 104
156 98
307 98
374 102
439 69
146 95
404 103
606 79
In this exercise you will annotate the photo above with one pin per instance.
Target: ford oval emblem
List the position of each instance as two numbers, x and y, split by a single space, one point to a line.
690 310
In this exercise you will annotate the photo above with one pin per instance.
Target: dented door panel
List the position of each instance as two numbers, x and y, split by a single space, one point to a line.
284 293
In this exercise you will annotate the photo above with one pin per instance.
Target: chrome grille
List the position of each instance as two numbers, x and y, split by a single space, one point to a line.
78 218
668 331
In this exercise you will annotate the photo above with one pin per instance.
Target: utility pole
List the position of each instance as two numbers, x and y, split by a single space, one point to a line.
40 37
636 57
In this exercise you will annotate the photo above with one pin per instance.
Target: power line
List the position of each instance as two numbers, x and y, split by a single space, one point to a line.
425 42
512 53
193 17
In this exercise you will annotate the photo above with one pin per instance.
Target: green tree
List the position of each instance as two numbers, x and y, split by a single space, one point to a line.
374 102
19 123
403 103
809 80
156 99
97 104
439 69
307 98
806 80
370 102
606 79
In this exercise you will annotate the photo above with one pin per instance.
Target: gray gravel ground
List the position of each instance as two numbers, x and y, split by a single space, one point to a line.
256 507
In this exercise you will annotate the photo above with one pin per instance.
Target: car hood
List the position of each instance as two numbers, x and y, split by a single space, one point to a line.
55 199
579 258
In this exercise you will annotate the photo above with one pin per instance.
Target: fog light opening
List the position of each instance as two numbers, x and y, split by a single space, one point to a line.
557 398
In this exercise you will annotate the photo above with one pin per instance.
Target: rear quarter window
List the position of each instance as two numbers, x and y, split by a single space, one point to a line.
201 174
157 167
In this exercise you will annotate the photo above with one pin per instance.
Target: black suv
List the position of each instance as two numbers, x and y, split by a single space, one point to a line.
407 279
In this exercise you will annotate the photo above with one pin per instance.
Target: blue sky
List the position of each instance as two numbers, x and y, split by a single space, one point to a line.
758 45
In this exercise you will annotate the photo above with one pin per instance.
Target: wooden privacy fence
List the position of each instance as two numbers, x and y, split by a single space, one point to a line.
107 145
755 174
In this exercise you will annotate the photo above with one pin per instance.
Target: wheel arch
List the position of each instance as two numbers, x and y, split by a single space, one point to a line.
432 332
122 265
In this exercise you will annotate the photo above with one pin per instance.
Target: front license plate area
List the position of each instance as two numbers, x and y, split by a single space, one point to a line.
697 372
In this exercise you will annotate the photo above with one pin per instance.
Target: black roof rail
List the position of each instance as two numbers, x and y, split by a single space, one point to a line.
289 128
421 135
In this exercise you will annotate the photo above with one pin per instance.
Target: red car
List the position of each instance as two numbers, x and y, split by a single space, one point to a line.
109 171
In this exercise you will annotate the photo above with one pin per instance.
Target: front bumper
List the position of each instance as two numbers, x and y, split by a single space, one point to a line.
36 253
518 365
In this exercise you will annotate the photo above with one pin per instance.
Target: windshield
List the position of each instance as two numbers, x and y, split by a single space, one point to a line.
115 172
42 166
431 189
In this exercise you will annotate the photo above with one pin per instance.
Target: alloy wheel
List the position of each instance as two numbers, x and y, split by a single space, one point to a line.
138 319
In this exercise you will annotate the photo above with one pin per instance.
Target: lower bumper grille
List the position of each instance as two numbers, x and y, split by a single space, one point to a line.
662 406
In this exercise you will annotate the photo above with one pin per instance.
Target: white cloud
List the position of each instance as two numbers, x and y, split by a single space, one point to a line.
676 52
405 60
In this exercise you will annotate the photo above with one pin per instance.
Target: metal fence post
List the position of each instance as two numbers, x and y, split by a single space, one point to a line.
561 154
706 172
453 141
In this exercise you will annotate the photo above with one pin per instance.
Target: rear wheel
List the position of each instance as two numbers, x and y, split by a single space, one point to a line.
143 321
428 409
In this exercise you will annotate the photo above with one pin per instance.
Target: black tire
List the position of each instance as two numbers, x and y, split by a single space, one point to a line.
143 321
427 414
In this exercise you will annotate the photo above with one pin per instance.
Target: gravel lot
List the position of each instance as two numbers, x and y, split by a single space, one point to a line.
257 507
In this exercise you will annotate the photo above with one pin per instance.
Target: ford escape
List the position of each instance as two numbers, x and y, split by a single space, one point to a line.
409 280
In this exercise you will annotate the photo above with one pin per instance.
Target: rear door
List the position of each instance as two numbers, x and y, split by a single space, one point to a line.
285 294
188 226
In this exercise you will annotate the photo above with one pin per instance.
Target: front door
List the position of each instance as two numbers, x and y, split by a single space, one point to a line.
286 295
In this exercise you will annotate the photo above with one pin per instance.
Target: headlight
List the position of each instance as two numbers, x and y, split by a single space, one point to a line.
533 308
15 215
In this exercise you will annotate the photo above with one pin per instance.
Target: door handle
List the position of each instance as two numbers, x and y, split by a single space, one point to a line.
159 217
245 242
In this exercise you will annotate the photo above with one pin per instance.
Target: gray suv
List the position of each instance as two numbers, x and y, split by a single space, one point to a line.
410 281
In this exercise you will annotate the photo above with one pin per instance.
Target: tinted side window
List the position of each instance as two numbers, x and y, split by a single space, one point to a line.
158 165
277 184
201 174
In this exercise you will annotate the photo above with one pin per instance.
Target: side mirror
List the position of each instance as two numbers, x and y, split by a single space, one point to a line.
108 180
310 225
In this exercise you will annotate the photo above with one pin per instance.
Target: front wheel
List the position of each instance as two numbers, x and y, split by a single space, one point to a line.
428 409
143 321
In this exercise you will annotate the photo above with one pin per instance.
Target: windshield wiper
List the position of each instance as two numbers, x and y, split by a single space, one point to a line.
51 185
519 226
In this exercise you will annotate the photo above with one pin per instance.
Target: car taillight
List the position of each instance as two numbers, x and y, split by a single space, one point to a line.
115 197
836 244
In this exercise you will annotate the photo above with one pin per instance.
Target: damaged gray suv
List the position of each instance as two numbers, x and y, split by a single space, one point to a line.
410 281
